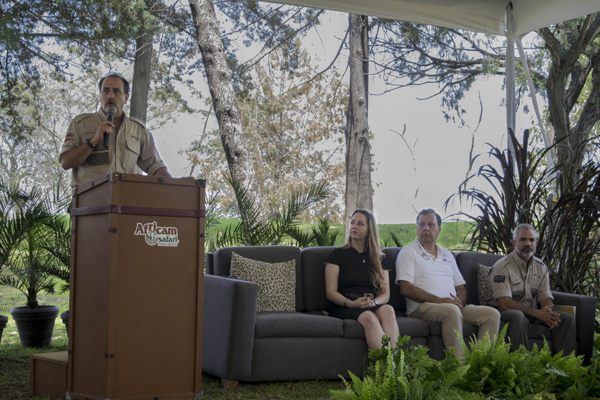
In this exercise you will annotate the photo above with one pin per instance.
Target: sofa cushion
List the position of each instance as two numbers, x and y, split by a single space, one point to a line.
313 278
468 264
484 290
276 281
396 299
412 327
281 324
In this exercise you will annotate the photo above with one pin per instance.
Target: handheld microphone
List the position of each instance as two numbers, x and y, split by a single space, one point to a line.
110 116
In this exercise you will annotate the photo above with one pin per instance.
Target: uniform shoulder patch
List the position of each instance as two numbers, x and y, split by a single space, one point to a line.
499 278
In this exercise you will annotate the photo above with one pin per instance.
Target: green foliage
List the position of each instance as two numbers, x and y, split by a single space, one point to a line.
270 24
32 243
452 236
18 216
569 241
58 247
517 195
281 225
393 241
323 233
488 371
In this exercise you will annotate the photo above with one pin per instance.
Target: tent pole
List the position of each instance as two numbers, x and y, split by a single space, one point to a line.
510 76
534 101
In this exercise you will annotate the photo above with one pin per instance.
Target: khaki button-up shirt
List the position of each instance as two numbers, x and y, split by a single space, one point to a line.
526 284
131 150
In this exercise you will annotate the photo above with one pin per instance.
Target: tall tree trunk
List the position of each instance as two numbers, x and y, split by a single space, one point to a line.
141 76
141 68
359 193
224 98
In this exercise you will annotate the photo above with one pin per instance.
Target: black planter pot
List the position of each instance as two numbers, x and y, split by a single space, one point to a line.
65 319
35 325
3 322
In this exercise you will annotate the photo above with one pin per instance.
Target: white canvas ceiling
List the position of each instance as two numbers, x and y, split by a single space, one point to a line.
486 16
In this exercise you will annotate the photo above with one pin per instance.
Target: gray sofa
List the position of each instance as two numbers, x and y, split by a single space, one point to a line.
241 344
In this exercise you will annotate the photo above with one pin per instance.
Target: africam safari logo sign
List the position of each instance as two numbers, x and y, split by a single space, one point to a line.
158 235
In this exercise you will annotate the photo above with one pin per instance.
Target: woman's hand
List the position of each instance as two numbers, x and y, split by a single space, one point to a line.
361 302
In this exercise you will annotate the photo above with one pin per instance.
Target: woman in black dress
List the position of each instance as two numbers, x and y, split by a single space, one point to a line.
357 284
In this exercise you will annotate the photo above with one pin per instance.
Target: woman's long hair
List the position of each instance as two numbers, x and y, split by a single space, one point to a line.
372 244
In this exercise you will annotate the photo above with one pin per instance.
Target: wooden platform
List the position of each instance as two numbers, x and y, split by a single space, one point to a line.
49 374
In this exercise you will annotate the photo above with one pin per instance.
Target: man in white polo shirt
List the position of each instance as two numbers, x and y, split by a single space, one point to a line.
435 289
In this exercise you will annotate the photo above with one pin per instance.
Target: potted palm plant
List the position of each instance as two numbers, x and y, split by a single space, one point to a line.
23 238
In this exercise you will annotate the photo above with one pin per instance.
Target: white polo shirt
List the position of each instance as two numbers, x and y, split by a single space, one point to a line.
435 275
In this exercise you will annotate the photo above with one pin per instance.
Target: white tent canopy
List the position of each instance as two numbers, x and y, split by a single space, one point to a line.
486 16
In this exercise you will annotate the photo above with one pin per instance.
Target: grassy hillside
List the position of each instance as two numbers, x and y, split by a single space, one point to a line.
452 236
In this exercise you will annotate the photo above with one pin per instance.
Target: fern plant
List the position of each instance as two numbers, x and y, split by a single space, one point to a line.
402 373
489 370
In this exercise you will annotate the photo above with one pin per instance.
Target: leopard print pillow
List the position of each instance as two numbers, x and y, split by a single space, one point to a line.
484 291
276 281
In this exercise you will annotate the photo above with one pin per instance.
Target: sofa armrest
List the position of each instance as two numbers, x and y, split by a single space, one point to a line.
585 316
228 327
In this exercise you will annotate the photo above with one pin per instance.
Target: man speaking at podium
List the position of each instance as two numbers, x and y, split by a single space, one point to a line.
108 140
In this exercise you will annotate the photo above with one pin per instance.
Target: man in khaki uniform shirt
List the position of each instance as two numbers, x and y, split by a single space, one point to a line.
521 289
131 148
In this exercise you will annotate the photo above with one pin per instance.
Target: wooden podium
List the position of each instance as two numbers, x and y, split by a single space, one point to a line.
137 278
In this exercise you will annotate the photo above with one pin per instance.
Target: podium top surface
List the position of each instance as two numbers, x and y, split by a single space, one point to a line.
114 177
113 192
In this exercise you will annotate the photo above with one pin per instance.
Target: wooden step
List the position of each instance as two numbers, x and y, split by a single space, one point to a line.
49 374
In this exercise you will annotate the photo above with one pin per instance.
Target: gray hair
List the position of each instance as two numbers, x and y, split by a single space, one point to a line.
430 211
524 226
